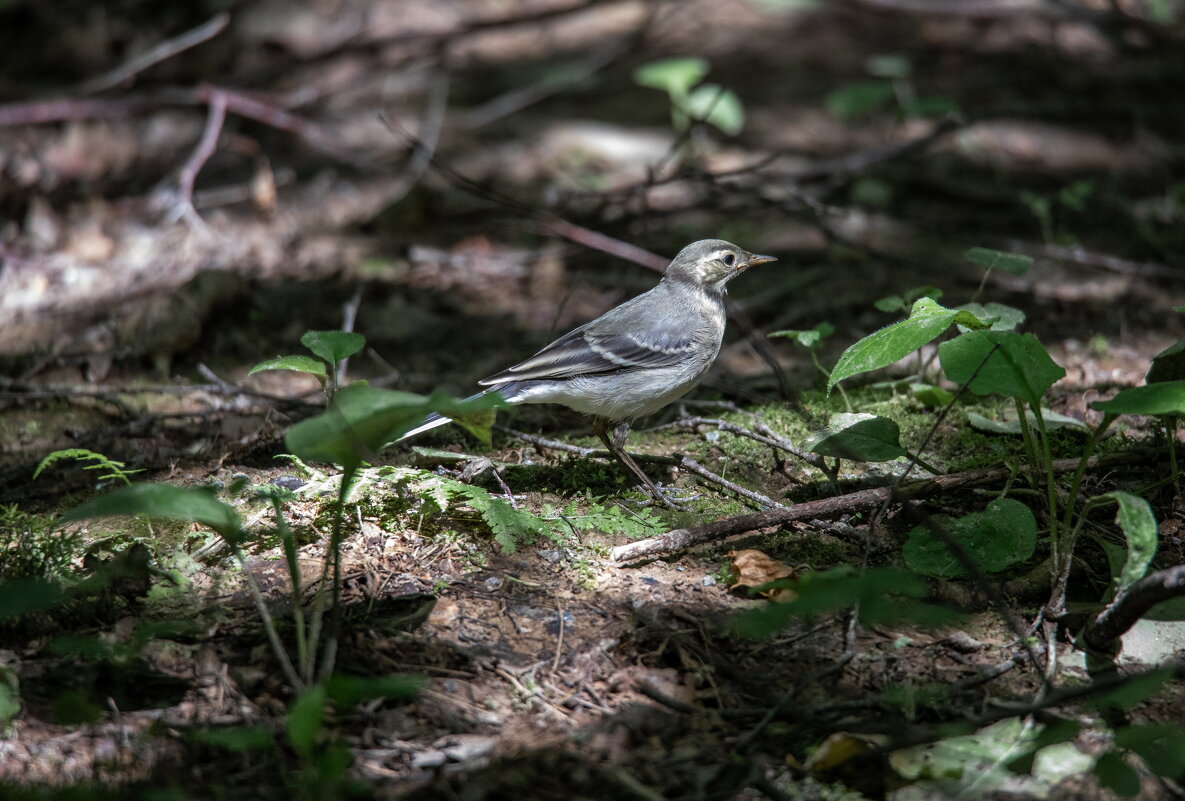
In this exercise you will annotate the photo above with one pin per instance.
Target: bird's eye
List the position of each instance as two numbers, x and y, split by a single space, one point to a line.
729 259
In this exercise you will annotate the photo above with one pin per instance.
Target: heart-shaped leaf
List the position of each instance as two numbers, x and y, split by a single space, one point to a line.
1002 535
333 346
1000 362
859 437
675 76
999 260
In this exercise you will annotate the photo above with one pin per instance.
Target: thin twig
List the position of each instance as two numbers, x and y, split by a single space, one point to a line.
678 460
215 119
155 55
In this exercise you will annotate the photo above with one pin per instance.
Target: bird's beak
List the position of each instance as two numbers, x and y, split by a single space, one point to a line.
753 260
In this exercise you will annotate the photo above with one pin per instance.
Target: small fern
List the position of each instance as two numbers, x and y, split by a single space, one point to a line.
114 469
510 527
607 519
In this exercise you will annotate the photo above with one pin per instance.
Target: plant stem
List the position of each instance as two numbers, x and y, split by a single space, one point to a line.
922 463
1076 480
290 556
982 284
269 625
827 374
1170 431
335 544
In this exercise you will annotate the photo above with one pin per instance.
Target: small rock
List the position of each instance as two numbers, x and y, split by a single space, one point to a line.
651 580
290 483
709 581
552 555
493 583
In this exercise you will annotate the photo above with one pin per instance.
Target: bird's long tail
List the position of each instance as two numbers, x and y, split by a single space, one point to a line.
435 420
430 422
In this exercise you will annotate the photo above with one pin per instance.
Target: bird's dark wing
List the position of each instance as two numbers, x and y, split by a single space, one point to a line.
595 350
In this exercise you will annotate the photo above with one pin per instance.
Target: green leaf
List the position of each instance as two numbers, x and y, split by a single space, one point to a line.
982 765
999 260
306 719
508 525
927 320
478 423
1132 690
1001 316
1138 522
163 501
333 346
859 437
858 99
1000 362
1011 424
19 597
892 303
349 691
10 696
716 105
1168 365
1002 535
1166 397
930 396
1116 775
234 738
809 337
360 420
1160 745
675 76
883 594
1074 196
300 364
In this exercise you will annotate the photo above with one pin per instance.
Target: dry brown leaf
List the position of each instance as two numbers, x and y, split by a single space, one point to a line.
841 747
752 568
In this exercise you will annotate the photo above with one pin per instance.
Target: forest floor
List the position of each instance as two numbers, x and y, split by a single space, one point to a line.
547 664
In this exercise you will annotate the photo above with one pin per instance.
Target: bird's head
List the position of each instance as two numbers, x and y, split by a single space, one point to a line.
711 263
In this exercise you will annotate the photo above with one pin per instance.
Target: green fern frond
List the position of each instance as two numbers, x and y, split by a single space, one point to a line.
113 468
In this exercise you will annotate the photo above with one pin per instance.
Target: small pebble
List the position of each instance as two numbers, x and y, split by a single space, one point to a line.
290 483
649 580
709 581
493 583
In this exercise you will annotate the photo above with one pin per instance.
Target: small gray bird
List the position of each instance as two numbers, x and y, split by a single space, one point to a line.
636 358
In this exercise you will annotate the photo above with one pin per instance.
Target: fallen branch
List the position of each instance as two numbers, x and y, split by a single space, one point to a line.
1131 605
682 538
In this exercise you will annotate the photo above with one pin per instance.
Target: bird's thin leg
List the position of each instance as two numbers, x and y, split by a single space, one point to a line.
616 446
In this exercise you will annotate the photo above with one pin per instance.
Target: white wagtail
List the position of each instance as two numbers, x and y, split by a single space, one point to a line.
636 358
